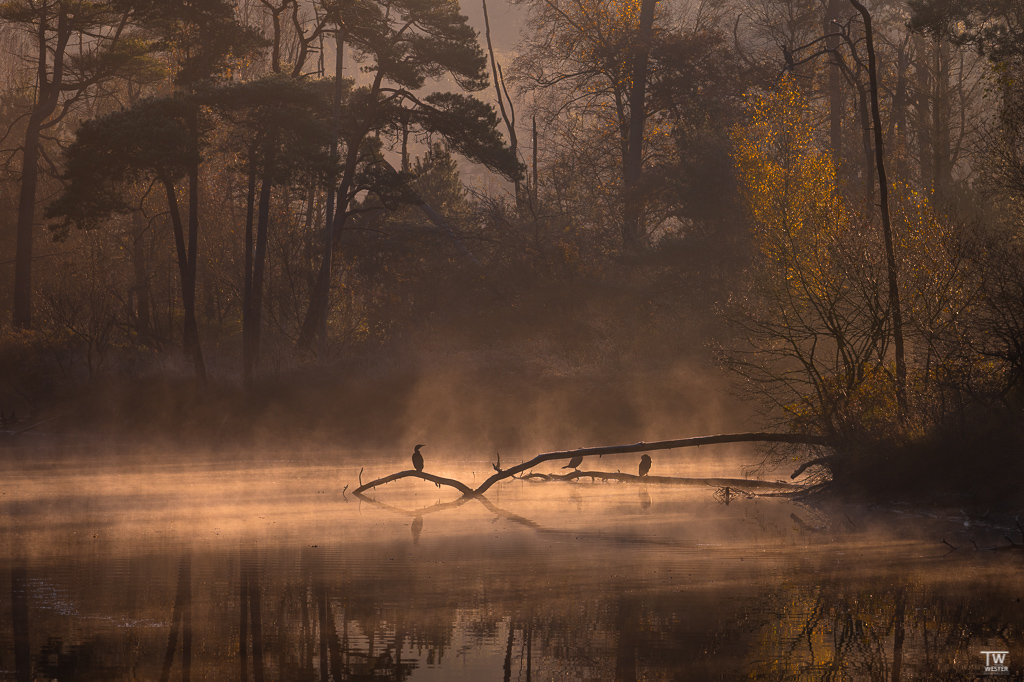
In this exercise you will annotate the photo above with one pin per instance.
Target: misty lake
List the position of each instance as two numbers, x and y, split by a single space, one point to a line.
150 567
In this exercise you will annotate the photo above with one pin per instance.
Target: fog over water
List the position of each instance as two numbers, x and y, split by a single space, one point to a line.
184 425
276 569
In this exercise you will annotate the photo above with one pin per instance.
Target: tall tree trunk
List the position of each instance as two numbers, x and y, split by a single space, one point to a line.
870 166
251 342
941 146
187 281
314 325
535 176
188 293
508 116
48 87
140 268
250 211
835 82
923 89
898 118
22 313
883 190
633 232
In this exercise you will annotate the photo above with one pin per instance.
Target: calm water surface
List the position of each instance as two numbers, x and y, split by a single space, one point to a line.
208 571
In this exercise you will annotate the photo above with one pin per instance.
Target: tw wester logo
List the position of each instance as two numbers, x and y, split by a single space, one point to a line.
996 663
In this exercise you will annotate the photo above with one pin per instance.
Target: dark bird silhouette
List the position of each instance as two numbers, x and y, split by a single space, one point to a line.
645 465
574 463
417 458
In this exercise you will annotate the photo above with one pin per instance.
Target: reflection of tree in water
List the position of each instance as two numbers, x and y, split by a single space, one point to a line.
332 628
89 660
181 623
348 620
570 605
849 629
880 630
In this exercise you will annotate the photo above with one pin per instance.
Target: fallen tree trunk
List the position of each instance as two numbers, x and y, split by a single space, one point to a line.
502 474
743 483
795 438
821 461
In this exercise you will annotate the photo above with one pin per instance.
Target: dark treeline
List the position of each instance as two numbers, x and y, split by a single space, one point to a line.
827 193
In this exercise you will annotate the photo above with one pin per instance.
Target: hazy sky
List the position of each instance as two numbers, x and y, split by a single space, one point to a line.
506 21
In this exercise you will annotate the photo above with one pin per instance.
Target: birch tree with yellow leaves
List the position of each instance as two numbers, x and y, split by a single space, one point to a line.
813 316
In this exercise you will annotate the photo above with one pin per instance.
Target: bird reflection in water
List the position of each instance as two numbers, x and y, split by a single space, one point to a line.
645 498
576 499
417 528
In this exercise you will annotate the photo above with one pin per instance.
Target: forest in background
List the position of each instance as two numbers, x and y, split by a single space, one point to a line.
204 233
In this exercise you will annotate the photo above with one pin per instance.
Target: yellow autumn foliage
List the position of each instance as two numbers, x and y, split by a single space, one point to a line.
790 189
815 314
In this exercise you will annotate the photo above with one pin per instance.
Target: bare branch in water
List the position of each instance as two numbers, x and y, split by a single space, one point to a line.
412 473
796 438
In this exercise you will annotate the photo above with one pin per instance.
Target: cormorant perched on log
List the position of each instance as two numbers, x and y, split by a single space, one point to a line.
417 458
574 463
645 465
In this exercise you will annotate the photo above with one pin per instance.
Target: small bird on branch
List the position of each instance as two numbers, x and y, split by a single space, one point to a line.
574 463
645 465
417 458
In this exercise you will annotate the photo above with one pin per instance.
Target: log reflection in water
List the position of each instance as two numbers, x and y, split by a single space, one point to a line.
604 536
